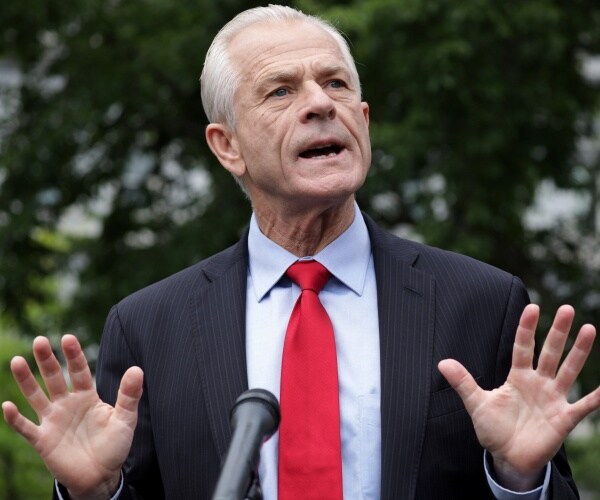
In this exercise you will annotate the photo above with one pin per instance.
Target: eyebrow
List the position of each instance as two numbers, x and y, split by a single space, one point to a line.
332 69
287 75
275 77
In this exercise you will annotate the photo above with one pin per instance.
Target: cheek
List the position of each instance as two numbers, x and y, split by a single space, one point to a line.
265 136
364 145
365 140
367 151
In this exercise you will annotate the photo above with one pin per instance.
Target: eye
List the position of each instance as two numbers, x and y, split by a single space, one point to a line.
280 92
337 84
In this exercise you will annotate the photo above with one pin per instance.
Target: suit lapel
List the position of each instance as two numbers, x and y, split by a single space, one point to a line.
406 305
219 329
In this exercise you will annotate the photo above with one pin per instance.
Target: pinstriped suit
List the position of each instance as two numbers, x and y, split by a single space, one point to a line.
187 334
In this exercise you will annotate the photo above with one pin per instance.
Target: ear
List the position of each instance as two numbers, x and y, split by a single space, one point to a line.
365 110
224 145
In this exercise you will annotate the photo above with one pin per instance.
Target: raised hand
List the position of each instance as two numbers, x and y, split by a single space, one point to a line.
523 423
82 440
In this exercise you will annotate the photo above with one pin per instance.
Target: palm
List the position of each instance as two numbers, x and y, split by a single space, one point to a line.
524 422
82 440
80 428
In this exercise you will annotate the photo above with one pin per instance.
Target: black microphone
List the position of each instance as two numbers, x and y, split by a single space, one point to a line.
254 418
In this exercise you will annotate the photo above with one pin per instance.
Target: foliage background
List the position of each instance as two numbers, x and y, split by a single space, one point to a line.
485 132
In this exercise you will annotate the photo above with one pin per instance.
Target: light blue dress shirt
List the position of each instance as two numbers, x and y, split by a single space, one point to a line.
350 298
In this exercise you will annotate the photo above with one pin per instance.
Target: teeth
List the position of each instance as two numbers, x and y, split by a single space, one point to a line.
321 152
321 157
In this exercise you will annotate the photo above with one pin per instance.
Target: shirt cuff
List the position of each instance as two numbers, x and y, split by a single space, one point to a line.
58 487
540 493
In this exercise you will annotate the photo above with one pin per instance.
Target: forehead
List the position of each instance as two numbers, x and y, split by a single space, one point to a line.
265 45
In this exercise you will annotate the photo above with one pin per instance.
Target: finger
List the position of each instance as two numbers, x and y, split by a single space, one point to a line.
575 360
525 338
586 405
19 423
49 367
79 370
130 393
462 382
554 345
29 386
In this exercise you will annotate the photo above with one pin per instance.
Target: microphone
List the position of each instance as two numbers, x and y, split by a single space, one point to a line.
254 418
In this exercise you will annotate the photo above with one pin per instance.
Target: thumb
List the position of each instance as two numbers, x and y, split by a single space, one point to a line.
130 393
462 382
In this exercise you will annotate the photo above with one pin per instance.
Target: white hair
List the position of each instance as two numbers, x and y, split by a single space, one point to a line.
220 79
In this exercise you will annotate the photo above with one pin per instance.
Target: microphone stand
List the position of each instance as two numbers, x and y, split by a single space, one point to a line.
254 418
254 490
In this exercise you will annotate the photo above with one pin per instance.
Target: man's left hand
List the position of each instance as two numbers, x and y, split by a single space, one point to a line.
524 422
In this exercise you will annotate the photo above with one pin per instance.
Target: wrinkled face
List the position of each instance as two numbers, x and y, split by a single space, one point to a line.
301 129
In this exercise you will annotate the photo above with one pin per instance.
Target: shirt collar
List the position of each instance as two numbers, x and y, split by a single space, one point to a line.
347 257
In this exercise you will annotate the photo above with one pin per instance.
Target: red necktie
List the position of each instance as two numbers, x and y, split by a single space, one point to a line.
310 459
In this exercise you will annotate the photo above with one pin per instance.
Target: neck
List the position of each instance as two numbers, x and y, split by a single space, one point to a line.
306 232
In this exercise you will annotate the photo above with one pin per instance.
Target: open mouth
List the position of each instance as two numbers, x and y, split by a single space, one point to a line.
326 151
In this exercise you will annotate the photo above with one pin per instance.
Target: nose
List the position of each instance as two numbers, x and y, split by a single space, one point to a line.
317 104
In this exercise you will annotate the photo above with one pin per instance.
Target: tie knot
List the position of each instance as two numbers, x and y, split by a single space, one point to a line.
308 275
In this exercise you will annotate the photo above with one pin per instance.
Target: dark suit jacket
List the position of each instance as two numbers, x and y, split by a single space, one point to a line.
187 334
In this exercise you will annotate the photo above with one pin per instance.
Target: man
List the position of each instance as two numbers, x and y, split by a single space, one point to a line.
283 97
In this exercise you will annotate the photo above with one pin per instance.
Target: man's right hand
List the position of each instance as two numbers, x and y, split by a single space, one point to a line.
82 440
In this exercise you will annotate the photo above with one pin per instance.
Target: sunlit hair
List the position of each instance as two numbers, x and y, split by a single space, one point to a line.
220 79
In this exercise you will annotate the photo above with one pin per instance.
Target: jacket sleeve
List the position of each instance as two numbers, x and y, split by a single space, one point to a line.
141 473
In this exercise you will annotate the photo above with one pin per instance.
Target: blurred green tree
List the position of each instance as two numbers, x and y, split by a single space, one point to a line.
23 475
584 455
472 106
